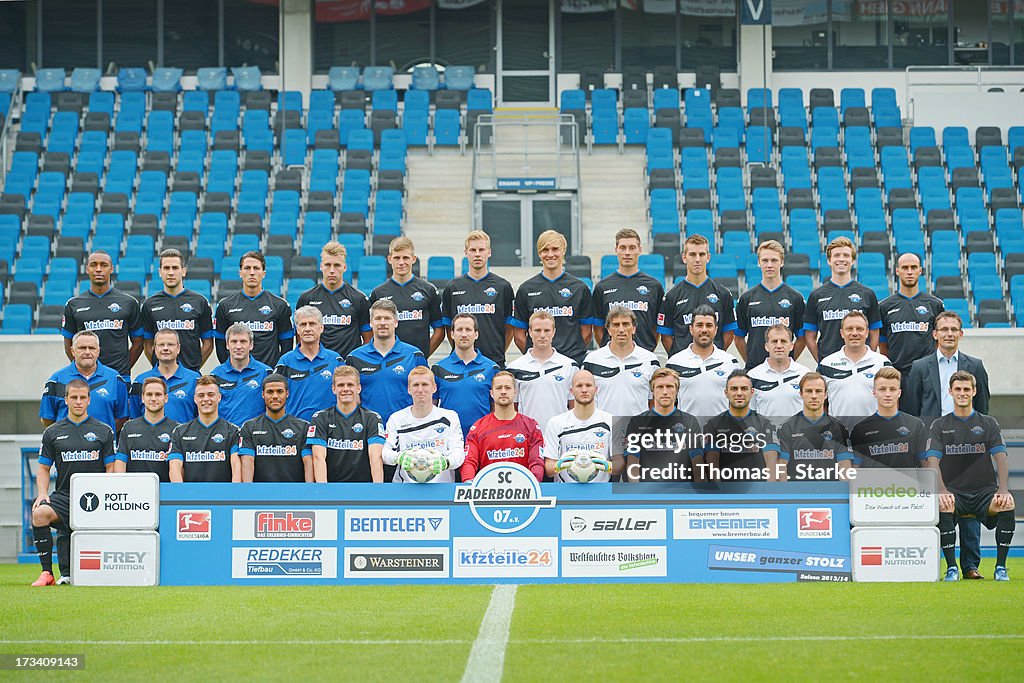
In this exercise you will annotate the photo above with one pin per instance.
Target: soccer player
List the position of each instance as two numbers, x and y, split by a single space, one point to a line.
768 303
929 375
543 376
742 442
180 381
113 315
776 380
272 447
889 437
267 315
424 425
206 448
308 369
849 372
828 305
908 319
566 297
703 368
503 435
145 442
653 463
384 363
464 376
347 440
108 388
77 443
483 294
240 378
585 428
696 290
176 308
967 443
812 444
417 301
622 368
345 309
631 288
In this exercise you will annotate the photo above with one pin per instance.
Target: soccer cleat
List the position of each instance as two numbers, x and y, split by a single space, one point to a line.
1001 574
64 581
952 574
45 579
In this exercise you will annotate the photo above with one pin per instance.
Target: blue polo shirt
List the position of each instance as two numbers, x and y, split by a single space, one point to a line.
465 387
108 390
241 391
385 379
309 381
181 390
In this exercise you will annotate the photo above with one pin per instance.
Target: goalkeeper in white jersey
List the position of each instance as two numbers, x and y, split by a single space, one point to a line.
424 427
584 429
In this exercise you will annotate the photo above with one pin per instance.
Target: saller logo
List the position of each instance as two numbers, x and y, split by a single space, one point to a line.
273 524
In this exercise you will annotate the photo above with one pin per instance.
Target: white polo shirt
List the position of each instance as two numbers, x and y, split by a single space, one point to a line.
566 432
851 383
777 394
542 387
623 384
702 381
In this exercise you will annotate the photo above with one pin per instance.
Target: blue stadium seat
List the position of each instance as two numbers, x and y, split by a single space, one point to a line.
166 79
425 77
447 127
17 319
459 77
378 78
342 78
212 78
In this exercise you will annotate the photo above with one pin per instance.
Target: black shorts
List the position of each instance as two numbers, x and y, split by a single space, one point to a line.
976 505
60 501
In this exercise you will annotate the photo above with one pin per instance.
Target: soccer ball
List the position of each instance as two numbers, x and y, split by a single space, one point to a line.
583 467
422 461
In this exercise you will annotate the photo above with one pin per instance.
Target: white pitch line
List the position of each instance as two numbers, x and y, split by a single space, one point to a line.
487 658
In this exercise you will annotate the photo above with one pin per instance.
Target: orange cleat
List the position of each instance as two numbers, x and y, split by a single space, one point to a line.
45 579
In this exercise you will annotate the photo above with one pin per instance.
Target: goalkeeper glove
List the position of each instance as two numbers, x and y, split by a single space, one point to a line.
563 463
439 465
405 461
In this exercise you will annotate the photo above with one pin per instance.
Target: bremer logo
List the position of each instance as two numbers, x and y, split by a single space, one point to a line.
871 555
285 525
814 522
194 525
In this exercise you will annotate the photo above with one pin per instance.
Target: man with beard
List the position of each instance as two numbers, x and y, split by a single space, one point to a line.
503 435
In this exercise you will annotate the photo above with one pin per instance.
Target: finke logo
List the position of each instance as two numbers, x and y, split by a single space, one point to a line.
814 522
89 560
871 556
194 525
89 502
285 525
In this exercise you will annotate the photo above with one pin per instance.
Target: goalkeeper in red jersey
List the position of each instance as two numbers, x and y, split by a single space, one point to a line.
503 435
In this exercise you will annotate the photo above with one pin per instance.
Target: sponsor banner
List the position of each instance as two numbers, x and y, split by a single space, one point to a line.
814 522
896 554
504 558
115 558
299 562
711 523
894 497
614 525
396 525
194 525
284 524
602 561
726 557
504 498
115 501
396 563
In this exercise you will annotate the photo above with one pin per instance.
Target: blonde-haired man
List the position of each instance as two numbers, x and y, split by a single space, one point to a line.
770 302
346 310
418 303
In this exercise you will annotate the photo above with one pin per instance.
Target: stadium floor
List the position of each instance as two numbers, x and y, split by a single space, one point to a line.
568 632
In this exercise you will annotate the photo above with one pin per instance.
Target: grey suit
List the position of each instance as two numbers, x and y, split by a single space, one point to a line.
924 395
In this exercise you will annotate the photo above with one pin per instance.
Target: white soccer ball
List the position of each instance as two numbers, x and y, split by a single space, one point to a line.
583 467
423 460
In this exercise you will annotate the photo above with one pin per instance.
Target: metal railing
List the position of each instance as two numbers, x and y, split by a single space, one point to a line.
534 147
973 78
6 129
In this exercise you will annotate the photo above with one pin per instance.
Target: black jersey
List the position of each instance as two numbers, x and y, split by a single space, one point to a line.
277 447
681 301
347 439
812 448
419 309
76 448
113 316
489 300
646 440
829 304
759 308
740 443
907 325
900 441
188 313
205 450
346 313
965 446
268 316
641 294
144 445
567 298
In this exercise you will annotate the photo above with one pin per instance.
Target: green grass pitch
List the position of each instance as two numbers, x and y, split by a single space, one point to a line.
595 632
